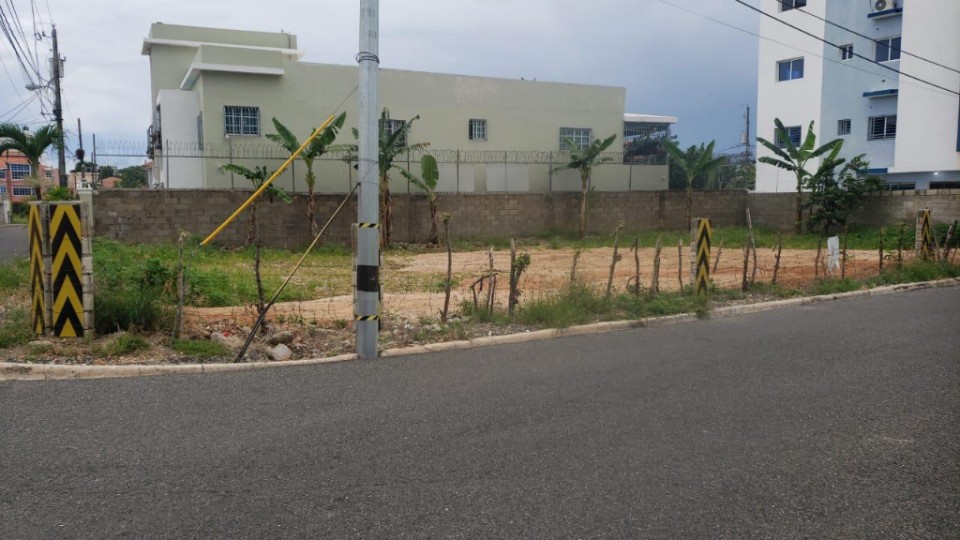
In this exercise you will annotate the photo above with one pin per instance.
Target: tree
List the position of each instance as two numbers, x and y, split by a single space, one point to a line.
31 145
794 159
700 163
132 177
430 176
392 143
320 145
257 176
837 189
106 172
584 160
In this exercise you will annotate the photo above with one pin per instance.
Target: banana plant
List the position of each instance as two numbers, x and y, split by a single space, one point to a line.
429 178
320 145
584 160
703 164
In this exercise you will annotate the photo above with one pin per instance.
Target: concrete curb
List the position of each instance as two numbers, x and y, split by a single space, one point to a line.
12 371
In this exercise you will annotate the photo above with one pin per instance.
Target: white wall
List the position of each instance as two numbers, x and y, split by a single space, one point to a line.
796 102
927 117
178 121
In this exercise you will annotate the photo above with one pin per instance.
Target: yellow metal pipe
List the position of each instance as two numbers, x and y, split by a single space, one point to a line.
266 184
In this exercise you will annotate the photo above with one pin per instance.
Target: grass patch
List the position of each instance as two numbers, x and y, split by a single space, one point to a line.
914 272
15 328
836 285
136 308
126 344
201 349
15 274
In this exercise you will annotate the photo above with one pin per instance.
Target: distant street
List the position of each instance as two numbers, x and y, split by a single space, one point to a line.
13 242
838 420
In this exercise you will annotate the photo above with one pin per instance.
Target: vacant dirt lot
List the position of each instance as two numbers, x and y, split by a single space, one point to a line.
549 272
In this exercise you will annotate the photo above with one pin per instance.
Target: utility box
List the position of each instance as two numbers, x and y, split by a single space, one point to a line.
61 269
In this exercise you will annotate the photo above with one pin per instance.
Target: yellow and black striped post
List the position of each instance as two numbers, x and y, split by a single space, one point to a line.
39 271
704 236
924 244
66 231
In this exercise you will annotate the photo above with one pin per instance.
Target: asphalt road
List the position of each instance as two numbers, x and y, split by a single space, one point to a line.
839 420
13 242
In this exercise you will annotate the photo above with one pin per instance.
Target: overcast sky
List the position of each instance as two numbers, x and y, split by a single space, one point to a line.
670 62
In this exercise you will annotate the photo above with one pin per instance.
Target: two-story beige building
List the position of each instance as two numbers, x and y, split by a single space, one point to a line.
215 93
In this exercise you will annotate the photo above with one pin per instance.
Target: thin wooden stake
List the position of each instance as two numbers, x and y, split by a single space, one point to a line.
448 284
752 246
636 259
883 232
181 289
816 263
903 227
491 292
716 261
655 280
616 257
573 267
843 252
776 265
945 254
680 263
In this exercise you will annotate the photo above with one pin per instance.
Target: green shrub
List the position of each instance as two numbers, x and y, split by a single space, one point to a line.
916 271
58 194
202 349
137 308
835 286
578 304
15 328
126 344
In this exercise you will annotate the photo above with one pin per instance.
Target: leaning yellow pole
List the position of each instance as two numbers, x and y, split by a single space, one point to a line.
266 184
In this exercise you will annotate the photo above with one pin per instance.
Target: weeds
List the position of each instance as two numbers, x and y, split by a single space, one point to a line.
126 344
15 328
201 349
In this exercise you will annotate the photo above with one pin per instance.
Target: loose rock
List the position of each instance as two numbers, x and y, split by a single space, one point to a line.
231 341
280 353
284 337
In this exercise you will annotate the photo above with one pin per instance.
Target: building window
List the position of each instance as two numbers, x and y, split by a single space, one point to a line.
580 137
888 49
788 70
843 127
394 126
48 174
787 5
478 130
846 52
19 191
243 121
19 171
882 127
793 135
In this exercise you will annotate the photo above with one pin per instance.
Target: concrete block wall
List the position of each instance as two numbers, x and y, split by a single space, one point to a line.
154 216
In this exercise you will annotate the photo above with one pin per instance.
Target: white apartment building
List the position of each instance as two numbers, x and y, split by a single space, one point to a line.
869 75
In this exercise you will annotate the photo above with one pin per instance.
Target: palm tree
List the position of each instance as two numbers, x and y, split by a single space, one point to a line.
32 146
430 176
701 162
584 160
320 145
795 159
391 145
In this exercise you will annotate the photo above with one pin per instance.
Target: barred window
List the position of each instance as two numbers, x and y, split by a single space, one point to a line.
793 134
843 127
18 191
578 136
882 127
787 5
240 120
478 129
394 126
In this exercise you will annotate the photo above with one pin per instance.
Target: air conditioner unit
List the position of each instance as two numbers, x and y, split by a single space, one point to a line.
884 5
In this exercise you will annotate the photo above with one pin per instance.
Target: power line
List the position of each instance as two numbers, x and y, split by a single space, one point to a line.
847 65
854 32
802 31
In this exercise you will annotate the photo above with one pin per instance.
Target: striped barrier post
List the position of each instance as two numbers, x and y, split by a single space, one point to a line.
924 243
704 236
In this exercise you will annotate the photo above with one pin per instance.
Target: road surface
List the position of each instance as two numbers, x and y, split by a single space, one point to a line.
13 242
838 420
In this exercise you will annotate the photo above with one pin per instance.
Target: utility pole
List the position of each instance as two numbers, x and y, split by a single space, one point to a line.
58 112
80 155
367 308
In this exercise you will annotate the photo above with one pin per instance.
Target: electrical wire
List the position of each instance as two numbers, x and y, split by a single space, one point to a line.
854 32
872 61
